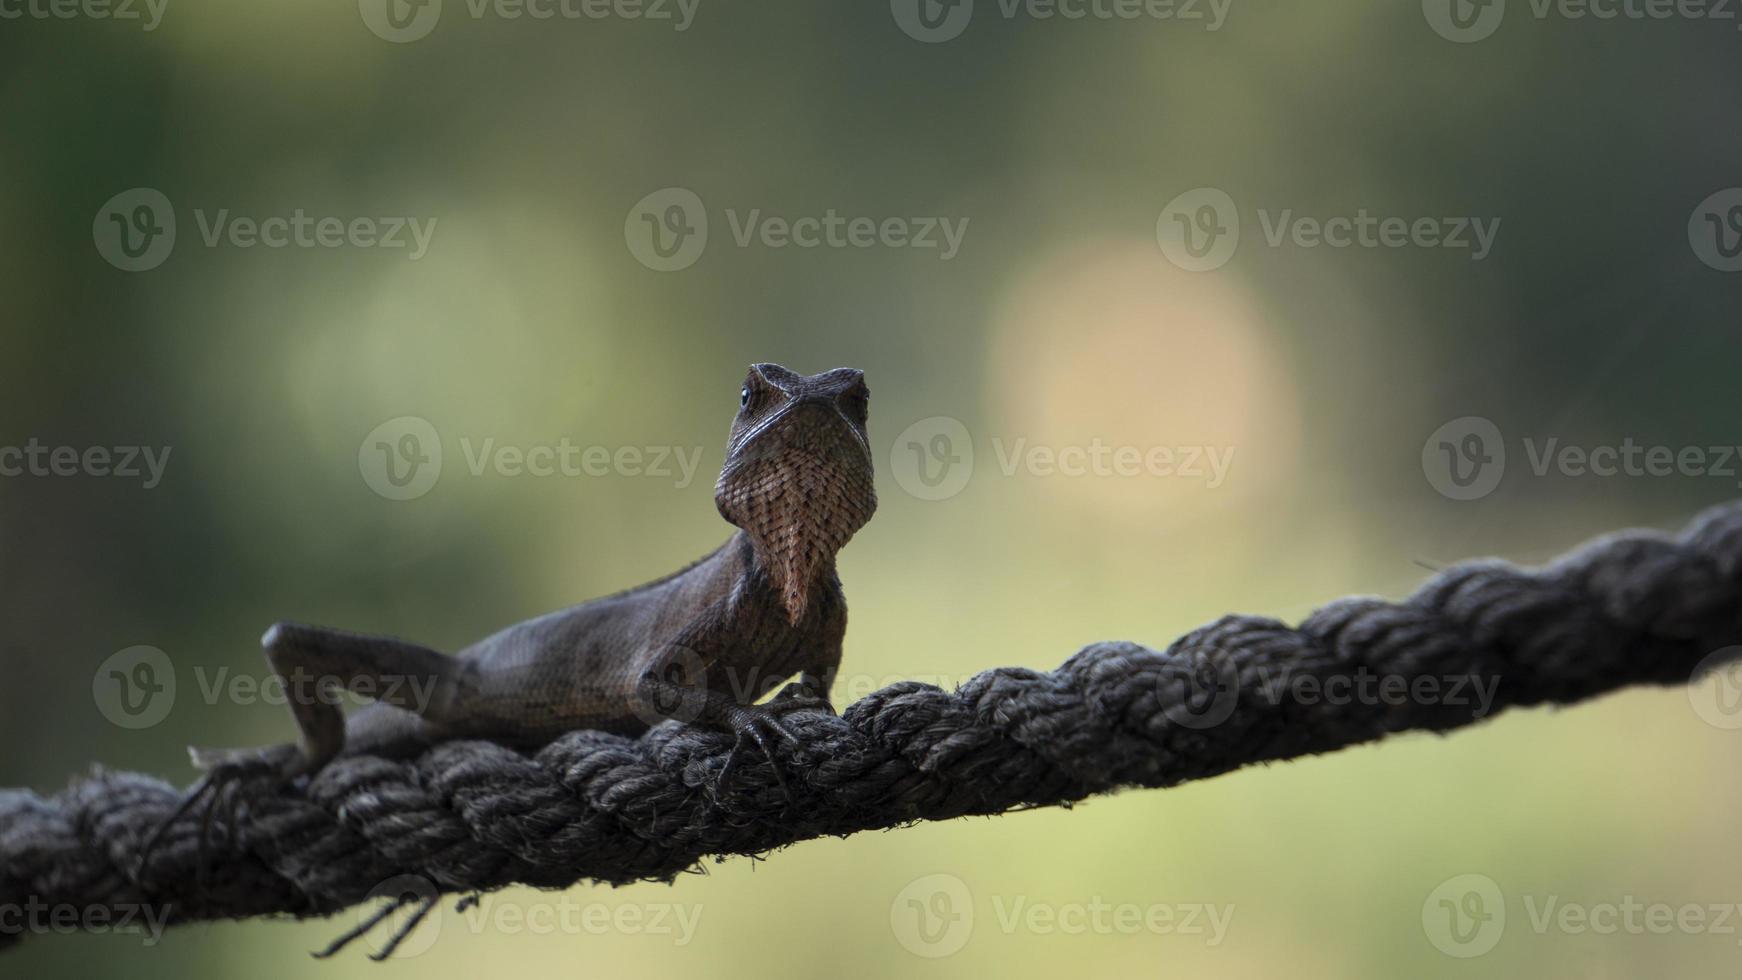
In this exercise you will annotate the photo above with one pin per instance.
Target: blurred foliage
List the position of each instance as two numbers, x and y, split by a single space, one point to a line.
1060 322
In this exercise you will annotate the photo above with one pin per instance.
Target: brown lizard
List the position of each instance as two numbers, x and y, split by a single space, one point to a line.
701 645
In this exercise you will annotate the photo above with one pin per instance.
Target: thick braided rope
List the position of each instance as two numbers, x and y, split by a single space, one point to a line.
1630 608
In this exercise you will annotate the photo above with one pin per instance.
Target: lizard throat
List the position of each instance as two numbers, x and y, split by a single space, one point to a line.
799 509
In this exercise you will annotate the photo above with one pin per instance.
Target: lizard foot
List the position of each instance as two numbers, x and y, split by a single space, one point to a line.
226 769
762 726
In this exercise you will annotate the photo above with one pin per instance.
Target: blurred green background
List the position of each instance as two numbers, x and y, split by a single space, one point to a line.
1060 321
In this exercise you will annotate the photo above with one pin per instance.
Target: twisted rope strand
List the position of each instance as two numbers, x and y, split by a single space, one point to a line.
468 816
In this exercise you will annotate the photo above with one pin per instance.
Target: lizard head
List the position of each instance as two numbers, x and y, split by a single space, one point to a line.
797 477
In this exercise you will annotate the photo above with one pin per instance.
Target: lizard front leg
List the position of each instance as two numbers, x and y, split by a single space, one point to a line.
810 690
666 693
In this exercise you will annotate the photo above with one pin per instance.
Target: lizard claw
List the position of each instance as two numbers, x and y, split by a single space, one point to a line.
761 725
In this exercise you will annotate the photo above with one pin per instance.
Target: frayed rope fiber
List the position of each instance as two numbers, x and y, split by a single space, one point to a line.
1631 608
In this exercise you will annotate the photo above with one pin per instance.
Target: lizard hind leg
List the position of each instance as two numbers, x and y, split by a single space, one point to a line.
315 665
218 791
423 905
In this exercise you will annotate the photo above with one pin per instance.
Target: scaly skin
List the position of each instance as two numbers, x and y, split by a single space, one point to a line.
701 645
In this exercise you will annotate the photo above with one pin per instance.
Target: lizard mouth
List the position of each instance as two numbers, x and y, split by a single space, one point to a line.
812 427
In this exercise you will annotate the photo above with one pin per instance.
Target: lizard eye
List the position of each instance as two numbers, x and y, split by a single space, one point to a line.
857 403
744 397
